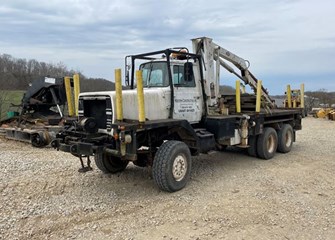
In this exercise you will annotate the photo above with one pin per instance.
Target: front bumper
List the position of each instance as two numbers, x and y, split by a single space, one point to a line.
78 148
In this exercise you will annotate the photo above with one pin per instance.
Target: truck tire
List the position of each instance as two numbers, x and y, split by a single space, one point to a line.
267 143
172 166
252 149
109 164
285 138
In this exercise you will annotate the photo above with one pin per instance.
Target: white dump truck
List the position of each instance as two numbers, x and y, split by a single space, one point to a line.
175 111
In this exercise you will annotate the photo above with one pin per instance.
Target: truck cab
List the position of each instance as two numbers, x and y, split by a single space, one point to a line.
179 75
173 89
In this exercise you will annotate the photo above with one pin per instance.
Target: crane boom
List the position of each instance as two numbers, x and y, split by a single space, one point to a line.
213 52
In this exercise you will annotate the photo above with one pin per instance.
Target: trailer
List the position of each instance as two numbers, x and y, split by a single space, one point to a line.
46 105
174 111
295 98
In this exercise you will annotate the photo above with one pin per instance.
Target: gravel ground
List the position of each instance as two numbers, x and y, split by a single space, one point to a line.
230 195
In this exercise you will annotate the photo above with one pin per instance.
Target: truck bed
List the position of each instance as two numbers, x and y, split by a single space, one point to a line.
223 126
277 113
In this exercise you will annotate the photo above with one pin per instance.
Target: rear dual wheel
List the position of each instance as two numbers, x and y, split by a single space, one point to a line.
285 138
267 143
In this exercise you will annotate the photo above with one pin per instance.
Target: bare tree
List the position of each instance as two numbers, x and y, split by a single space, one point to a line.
3 100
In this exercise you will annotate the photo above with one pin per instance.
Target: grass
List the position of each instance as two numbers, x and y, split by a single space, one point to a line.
6 99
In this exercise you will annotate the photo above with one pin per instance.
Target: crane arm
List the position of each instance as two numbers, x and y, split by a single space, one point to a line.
209 49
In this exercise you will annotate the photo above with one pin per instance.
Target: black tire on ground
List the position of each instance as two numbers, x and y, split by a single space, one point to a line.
109 164
267 143
285 138
171 168
252 142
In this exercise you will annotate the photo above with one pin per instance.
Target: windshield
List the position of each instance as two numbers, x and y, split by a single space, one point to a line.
155 74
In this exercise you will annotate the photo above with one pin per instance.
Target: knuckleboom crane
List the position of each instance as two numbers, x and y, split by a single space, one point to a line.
215 56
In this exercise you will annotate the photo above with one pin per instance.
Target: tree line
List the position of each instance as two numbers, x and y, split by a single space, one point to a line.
18 73
320 98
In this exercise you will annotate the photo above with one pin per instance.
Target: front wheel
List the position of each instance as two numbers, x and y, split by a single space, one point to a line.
109 164
172 166
267 143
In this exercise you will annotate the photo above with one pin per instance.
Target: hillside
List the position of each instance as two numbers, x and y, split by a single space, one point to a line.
18 73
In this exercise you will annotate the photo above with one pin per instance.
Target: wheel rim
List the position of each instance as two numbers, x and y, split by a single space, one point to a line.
271 144
288 138
179 167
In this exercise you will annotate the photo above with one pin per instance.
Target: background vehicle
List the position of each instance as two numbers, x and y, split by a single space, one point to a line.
180 114
43 111
295 98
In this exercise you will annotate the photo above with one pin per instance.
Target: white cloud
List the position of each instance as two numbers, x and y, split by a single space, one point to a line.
279 37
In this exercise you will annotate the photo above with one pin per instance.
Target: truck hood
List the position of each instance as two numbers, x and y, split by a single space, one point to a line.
157 102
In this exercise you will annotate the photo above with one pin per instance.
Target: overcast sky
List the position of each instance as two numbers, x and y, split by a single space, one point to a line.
286 41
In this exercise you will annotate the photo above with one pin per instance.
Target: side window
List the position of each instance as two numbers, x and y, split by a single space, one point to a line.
178 72
180 78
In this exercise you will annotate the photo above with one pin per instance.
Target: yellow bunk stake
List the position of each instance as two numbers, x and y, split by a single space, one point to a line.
118 93
76 85
238 96
140 97
258 96
70 104
289 99
302 95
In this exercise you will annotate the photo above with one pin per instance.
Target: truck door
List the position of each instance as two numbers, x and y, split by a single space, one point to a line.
188 101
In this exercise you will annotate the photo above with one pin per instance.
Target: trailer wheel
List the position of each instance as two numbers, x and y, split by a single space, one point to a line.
109 164
267 143
39 139
252 150
172 166
285 138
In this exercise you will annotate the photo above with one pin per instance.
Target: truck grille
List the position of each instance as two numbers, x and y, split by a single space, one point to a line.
99 108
